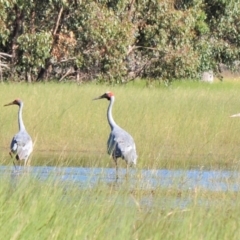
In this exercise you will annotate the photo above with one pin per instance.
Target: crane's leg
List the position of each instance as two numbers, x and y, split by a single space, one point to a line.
115 160
10 153
25 162
127 171
127 166
14 165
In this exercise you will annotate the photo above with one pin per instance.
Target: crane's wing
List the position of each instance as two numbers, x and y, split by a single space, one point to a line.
22 145
121 144
127 148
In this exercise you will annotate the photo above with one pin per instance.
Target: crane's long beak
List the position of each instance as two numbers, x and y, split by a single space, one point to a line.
235 115
102 96
97 98
11 103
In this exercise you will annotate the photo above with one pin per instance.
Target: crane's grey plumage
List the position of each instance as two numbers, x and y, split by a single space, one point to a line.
21 144
120 143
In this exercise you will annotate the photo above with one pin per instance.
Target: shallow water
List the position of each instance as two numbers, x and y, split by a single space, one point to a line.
215 180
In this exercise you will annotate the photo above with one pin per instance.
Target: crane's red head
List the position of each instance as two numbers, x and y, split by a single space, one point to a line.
106 95
15 102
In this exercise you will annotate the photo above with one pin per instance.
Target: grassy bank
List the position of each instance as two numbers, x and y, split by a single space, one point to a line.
186 125
57 210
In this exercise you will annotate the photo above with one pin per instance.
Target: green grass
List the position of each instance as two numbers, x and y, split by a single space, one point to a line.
185 125
56 210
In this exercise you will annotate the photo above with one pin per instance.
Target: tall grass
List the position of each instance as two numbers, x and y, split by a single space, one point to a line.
186 125
52 209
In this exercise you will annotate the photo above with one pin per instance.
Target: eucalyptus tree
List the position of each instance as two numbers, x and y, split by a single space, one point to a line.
117 40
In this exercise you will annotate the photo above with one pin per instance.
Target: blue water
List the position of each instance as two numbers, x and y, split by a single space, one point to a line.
215 180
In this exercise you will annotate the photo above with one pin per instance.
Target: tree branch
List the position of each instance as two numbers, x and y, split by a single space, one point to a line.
66 60
131 48
58 21
5 54
69 71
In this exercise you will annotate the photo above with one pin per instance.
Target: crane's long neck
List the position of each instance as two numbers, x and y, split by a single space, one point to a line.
109 113
20 120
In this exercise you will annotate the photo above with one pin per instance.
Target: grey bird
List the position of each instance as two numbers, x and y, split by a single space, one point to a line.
21 145
120 143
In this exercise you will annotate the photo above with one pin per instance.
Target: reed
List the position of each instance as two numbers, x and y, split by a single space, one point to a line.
185 125
54 209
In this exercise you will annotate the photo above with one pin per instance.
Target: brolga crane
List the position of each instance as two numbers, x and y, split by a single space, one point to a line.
120 143
21 144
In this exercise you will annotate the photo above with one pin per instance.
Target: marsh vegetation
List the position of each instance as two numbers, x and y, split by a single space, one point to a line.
185 125
182 126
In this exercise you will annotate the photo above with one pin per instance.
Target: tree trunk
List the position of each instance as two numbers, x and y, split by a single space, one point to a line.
28 76
44 72
17 31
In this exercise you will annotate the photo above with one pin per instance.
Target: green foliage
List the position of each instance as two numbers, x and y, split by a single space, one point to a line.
103 40
35 50
169 37
120 40
224 24
4 31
